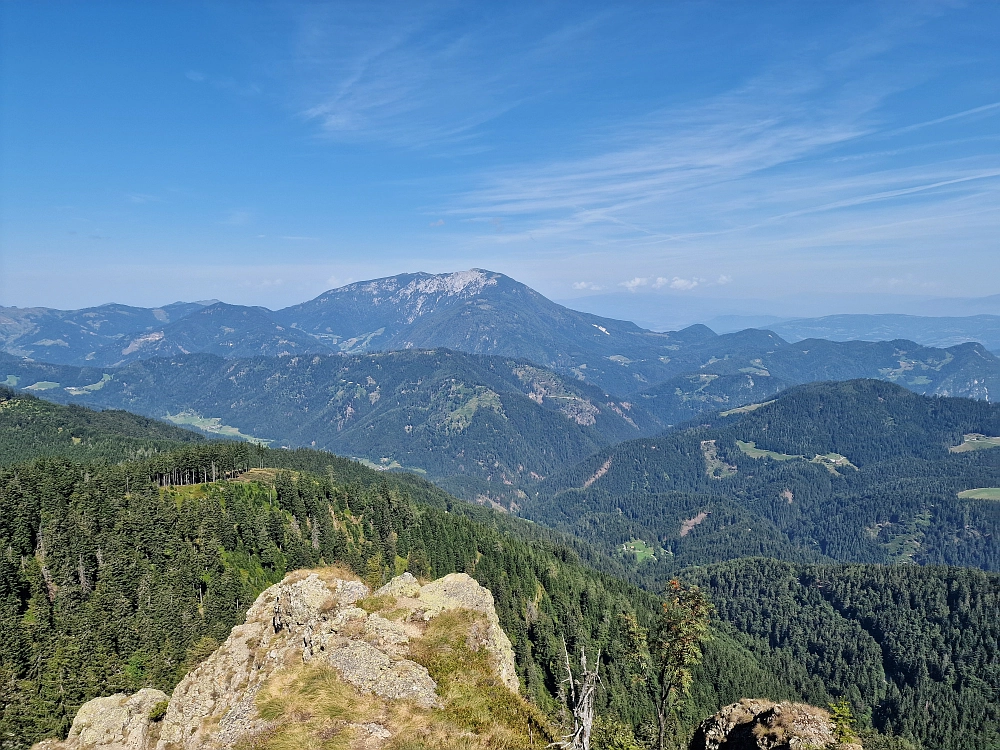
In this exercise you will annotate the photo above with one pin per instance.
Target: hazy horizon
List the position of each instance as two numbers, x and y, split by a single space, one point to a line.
662 311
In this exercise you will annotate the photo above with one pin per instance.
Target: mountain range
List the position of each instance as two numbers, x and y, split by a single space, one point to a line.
487 313
651 456
523 388
925 330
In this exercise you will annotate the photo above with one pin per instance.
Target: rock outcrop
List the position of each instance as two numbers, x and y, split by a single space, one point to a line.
755 724
118 722
309 618
460 591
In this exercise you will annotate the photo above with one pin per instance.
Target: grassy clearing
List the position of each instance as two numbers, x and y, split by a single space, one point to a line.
213 425
311 707
715 467
745 409
471 400
84 390
904 545
832 462
387 464
975 442
982 493
750 448
42 385
640 549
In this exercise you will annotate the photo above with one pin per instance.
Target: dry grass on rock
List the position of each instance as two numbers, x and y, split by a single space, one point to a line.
312 707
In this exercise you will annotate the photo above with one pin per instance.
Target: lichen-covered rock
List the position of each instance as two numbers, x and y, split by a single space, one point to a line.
372 671
118 722
462 591
404 585
754 724
387 635
307 618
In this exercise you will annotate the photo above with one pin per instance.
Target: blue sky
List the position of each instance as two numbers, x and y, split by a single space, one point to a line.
261 153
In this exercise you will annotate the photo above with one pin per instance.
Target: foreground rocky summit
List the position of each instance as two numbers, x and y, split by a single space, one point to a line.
321 661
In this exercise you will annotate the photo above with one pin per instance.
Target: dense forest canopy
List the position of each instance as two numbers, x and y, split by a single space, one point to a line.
859 471
123 568
110 582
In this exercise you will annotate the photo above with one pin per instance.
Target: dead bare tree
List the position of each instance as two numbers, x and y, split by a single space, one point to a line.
579 699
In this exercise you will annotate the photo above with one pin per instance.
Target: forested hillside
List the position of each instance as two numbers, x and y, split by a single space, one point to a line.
914 646
119 575
861 471
111 582
437 411
31 427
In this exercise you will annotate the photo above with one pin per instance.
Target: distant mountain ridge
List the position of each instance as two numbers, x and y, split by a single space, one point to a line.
475 311
927 331
677 374
78 336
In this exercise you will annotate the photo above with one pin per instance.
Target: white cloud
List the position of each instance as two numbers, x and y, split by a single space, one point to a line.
438 223
588 285
723 280
635 283
683 284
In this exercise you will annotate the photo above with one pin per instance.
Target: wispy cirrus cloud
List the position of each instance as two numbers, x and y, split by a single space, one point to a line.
391 73
793 162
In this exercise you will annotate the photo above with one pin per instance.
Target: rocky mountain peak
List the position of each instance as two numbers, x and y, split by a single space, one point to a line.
368 652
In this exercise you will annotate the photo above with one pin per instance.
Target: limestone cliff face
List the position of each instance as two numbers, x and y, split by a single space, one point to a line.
309 619
754 724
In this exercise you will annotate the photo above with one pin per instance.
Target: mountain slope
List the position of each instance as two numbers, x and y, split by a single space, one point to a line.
443 412
113 583
481 312
220 329
860 471
918 643
742 368
78 336
31 427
